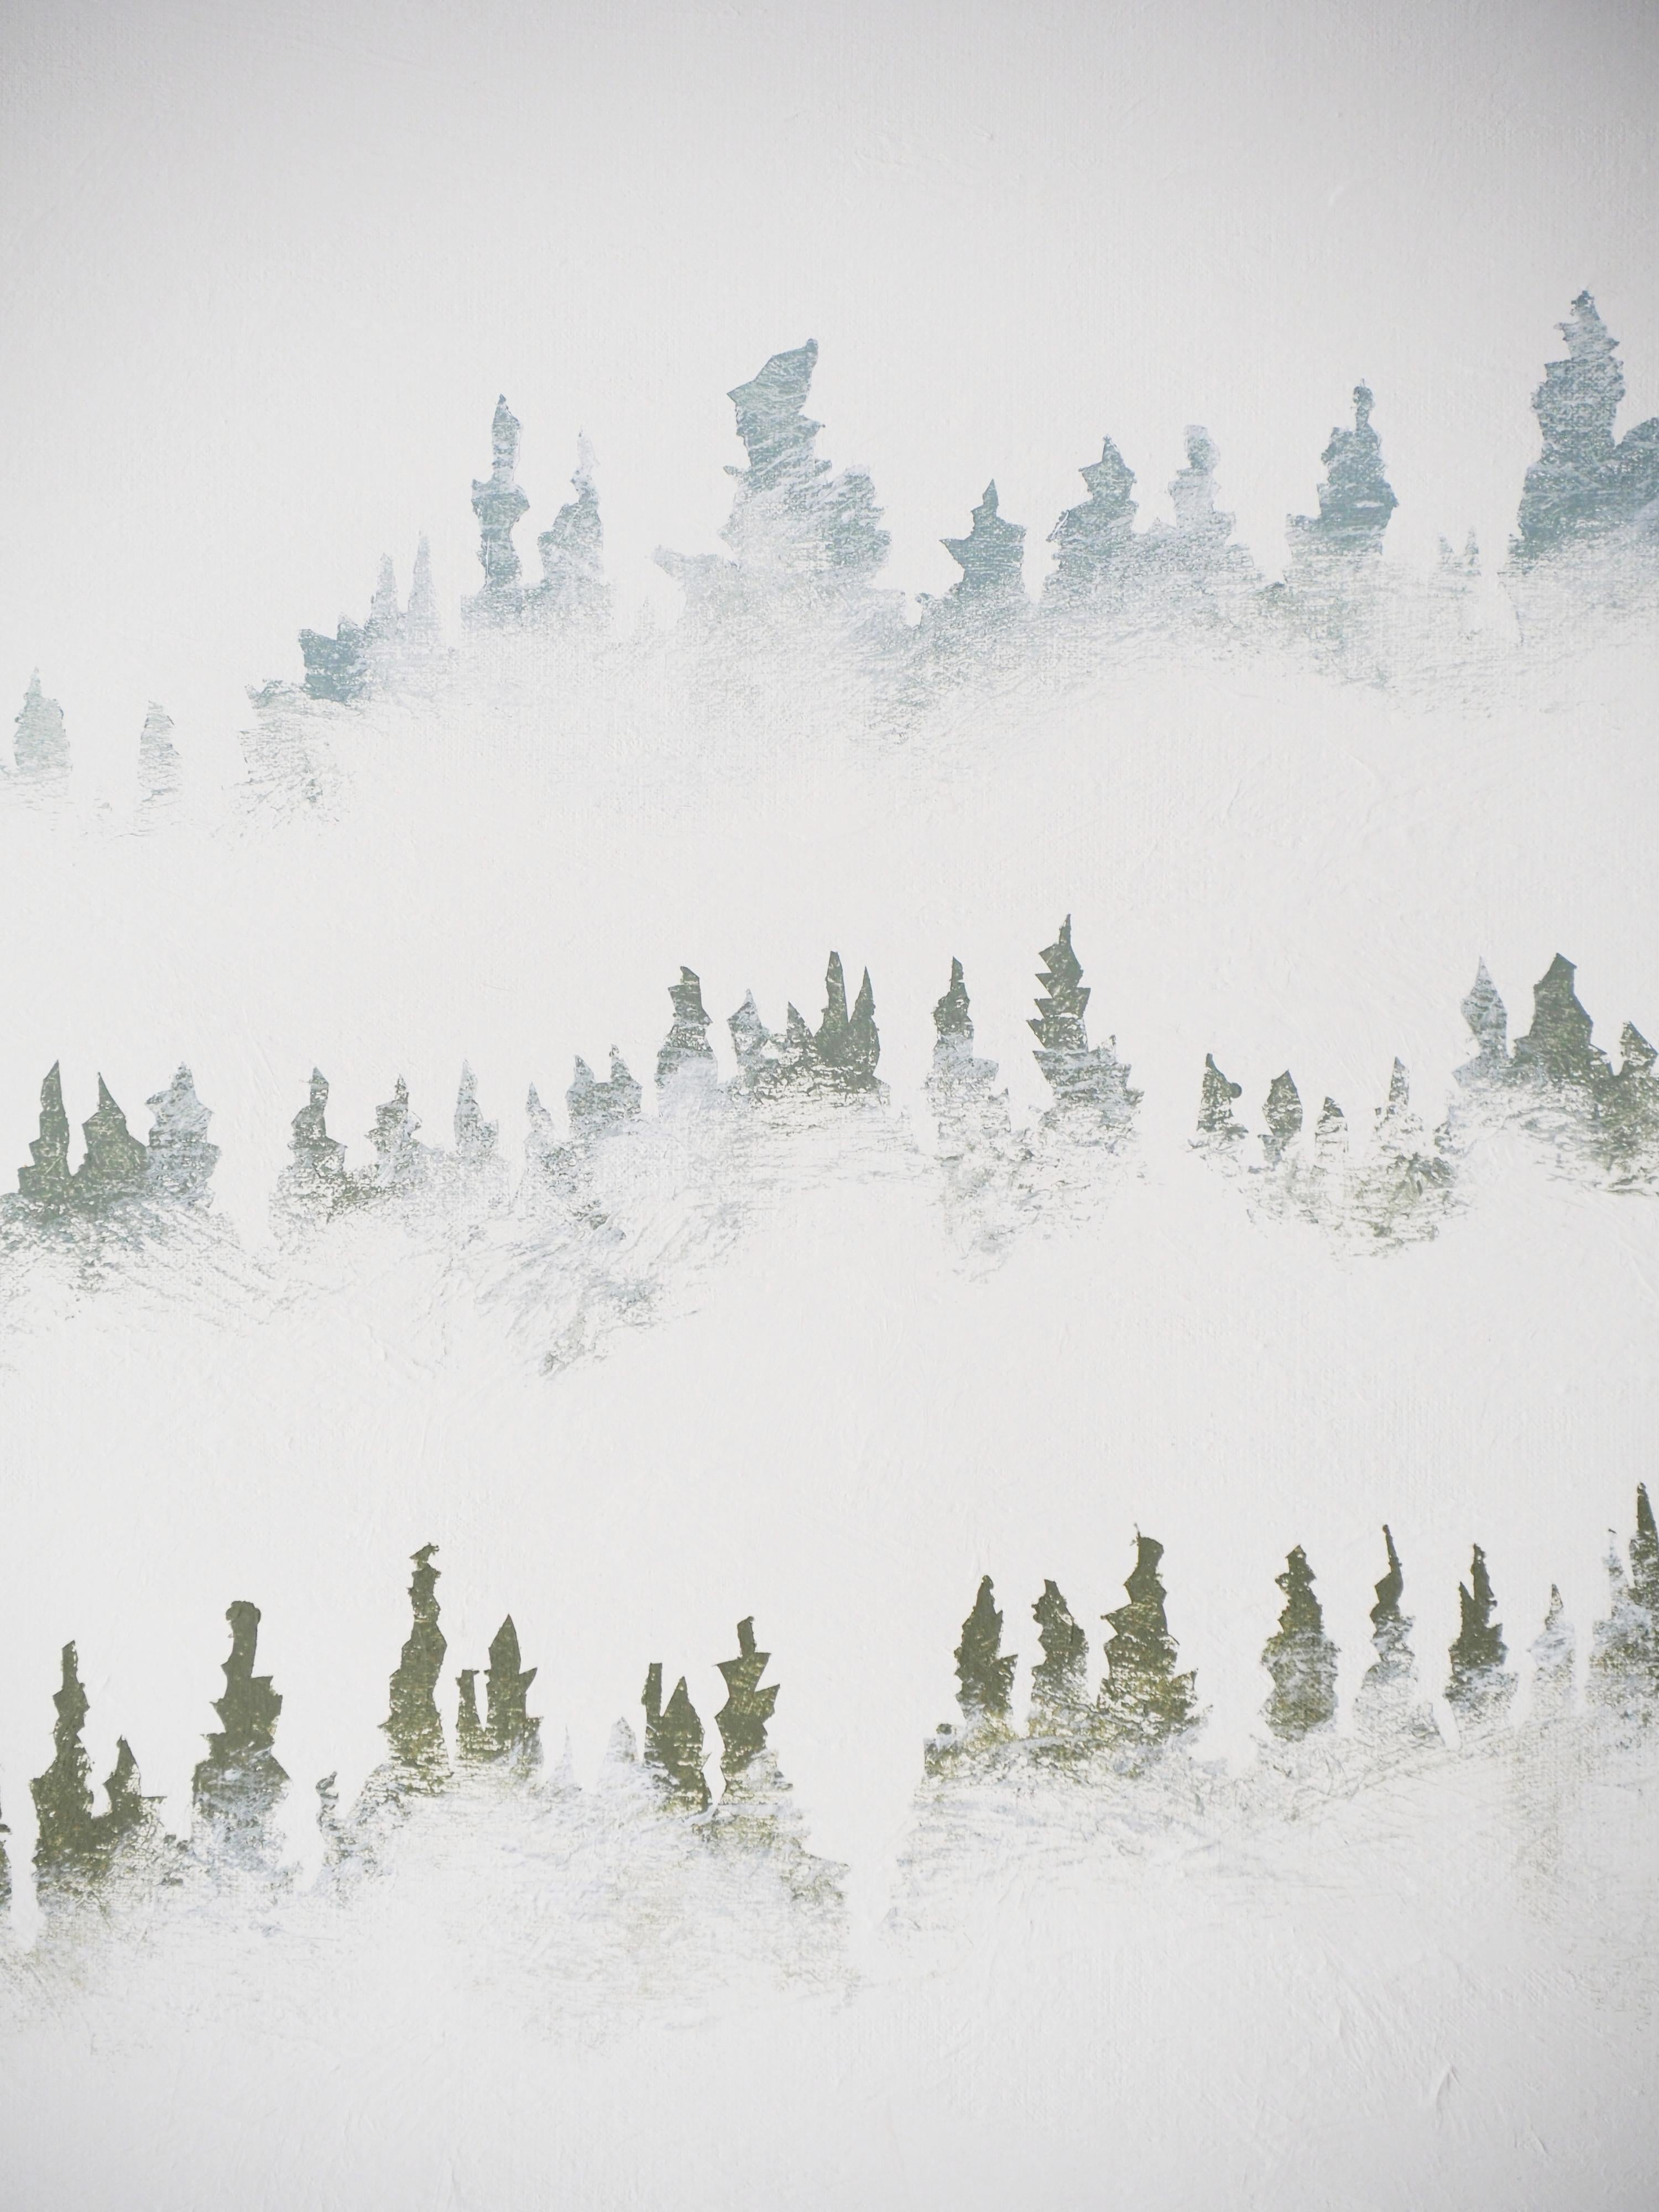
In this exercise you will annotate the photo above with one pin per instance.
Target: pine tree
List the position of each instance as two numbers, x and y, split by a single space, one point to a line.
1585 482
1300 1657
401 1160
685 1063
181 1161
500 504
1625 1653
1095 540
1489 1025
573 593
160 771
1218 1126
1355 499
1079 1076
1283 1115
66 1834
594 1106
673 1741
115 1163
991 559
1557 1051
41 745
1059 1688
412 1725
1143 1700
1386 1704
236 1789
847 1044
47 1182
984 1673
793 517
542 1148
743 1718
513 1734
1478 1690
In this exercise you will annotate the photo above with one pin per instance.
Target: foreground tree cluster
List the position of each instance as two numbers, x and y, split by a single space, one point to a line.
1145 1706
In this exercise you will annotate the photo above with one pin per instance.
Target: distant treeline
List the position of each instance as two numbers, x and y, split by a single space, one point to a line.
1554 1081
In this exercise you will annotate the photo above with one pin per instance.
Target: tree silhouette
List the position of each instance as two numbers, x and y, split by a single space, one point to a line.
47 1182
573 594
1585 482
1218 1126
847 1044
499 505
513 1734
1059 1689
40 747
1355 499
1095 540
673 1741
1300 1657
1478 1690
984 1673
115 1163
1283 1115
66 1836
160 771
1093 1078
1385 1703
236 1789
1143 1700
313 1183
743 1718
1552 1664
685 1063
595 1108
412 1726
1625 1652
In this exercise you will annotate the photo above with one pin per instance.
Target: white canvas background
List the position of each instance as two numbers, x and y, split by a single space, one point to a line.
265 277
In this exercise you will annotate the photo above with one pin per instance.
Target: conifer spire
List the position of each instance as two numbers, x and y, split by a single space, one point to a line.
1143 1700
1479 1689
47 1181
1059 1690
236 1788
181 1160
673 1741
512 1732
500 504
743 1718
1300 1657
686 1059
984 1672
66 1832
412 1725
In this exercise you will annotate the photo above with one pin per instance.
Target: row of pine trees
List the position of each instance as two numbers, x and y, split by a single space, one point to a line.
1145 1704
1616 1109
1144 1701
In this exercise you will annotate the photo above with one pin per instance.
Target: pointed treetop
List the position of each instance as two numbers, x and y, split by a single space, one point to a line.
992 555
770 420
1216 1098
1059 1687
951 1015
743 1718
1300 1657
985 1672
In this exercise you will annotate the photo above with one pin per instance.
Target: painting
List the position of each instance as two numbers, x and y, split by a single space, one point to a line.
828 1362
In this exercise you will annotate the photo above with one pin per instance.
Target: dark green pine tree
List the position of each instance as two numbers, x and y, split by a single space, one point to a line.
1300 1657
1058 1024
115 1162
131 1812
236 1789
412 1725
1077 1075
1385 1704
1059 1688
743 1718
985 1672
685 1063
47 1181
673 1741
511 1733
66 1833
1479 1689
1143 1700
1625 1655
1556 1049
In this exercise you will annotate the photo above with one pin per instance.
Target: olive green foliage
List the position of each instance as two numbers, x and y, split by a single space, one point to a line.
1143 1698
1301 1658
236 1788
1625 1656
673 1741
412 1725
984 1672
743 1718
1059 1690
